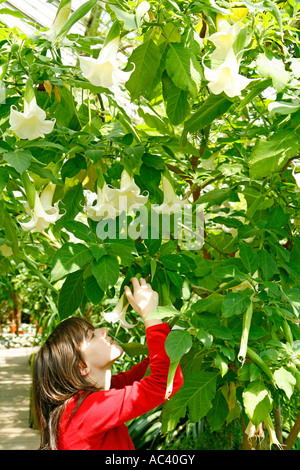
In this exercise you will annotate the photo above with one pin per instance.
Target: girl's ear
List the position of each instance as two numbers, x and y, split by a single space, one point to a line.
84 369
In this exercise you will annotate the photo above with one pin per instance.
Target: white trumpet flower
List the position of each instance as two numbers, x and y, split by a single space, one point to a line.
32 123
129 192
43 213
171 203
112 201
118 313
105 70
103 208
223 39
226 78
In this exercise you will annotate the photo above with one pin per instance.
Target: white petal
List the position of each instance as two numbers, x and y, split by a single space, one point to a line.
97 74
47 196
29 125
109 52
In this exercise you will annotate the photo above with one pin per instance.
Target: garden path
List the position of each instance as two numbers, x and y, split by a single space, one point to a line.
15 381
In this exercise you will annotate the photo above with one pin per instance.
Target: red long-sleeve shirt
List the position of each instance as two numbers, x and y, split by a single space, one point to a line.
98 423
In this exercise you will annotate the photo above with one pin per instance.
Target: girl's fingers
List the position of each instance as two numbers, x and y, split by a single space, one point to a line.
135 282
130 297
142 282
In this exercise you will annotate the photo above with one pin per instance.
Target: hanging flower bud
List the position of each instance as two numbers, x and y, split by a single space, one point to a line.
61 17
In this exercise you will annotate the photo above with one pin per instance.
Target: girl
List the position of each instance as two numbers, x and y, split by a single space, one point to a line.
78 404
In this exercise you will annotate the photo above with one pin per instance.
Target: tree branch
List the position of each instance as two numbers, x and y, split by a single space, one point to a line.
293 435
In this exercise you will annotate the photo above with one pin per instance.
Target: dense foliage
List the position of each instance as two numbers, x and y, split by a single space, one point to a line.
194 102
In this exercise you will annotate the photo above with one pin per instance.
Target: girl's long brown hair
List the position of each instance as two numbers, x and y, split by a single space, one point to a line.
57 377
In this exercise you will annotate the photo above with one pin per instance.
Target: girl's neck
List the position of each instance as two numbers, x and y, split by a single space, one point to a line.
101 378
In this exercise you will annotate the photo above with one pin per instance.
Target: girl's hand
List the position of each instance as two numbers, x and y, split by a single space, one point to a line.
143 299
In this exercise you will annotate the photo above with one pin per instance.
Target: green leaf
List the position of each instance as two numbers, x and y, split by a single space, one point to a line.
218 413
257 401
146 59
79 230
71 294
124 249
92 290
285 380
130 21
7 11
20 159
76 16
270 156
195 396
266 264
234 303
183 68
177 262
106 271
248 257
163 311
176 101
134 349
68 259
211 109
178 343
72 203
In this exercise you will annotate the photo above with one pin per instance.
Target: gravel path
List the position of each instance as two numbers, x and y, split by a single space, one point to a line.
15 381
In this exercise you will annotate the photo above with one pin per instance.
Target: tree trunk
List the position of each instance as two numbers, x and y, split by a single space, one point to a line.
16 310
293 435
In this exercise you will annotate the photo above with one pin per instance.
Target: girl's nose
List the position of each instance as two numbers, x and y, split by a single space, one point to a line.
104 332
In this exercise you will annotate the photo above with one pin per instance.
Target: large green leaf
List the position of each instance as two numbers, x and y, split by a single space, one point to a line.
218 413
285 380
146 59
178 343
79 230
267 264
257 401
195 396
235 303
71 294
124 249
248 257
93 291
20 159
183 68
211 109
106 271
69 258
176 101
271 155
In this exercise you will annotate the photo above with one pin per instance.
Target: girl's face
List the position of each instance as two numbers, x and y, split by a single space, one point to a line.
99 350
